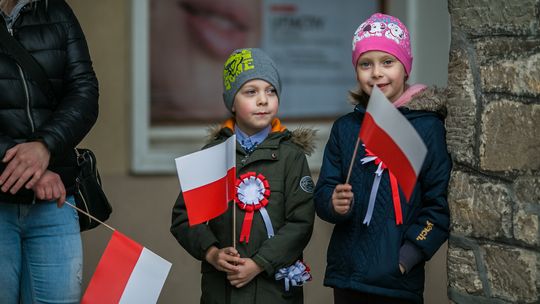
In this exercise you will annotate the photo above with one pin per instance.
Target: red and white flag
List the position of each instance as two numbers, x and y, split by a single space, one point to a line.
207 180
126 273
390 136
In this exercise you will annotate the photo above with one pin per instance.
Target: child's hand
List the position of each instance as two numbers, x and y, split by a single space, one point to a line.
246 272
224 259
342 198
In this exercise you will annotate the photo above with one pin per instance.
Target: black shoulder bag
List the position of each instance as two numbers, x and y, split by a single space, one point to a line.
89 195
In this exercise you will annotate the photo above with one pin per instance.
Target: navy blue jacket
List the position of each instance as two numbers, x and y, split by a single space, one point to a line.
366 258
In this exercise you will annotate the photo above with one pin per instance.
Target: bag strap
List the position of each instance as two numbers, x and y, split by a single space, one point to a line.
26 61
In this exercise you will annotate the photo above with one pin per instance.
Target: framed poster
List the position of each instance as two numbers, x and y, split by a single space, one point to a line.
179 47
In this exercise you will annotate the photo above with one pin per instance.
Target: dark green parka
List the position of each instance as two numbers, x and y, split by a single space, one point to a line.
281 159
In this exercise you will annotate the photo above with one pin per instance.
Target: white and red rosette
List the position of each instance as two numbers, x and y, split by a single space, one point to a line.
393 184
252 193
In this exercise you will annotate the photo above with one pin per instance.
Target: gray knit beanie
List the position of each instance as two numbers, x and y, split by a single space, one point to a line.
244 65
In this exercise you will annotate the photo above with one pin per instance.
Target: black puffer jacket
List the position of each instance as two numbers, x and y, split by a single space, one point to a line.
51 33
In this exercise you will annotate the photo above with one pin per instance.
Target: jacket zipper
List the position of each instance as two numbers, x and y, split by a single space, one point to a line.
27 112
28 115
27 95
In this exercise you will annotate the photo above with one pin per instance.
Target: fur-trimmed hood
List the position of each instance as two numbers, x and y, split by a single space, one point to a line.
417 97
431 99
302 137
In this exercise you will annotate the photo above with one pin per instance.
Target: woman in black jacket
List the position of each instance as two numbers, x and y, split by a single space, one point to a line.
40 244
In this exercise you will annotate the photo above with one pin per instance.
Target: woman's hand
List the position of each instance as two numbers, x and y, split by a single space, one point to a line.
50 187
26 163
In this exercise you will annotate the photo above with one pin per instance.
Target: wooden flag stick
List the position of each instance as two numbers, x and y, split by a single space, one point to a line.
234 226
90 216
352 159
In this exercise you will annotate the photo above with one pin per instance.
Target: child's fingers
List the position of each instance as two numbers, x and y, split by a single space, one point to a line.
343 188
344 195
342 202
342 210
231 251
235 279
234 260
227 267
237 284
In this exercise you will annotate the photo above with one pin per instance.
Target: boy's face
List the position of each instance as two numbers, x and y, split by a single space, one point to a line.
255 106
383 70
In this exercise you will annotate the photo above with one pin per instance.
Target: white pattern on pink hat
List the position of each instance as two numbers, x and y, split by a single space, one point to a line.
385 33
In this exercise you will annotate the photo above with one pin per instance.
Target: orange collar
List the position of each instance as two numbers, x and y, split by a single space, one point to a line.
276 125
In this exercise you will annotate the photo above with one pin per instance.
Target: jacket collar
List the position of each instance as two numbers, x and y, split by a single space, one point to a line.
303 137
427 100
276 125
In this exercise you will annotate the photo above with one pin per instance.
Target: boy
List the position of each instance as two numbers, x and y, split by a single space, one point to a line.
274 194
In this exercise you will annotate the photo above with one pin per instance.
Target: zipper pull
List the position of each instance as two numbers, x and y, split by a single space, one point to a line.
10 30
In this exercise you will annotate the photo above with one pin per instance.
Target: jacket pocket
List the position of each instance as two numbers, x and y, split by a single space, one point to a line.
384 269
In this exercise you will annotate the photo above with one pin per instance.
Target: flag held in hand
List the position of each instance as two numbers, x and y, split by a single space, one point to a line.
207 180
390 136
127 273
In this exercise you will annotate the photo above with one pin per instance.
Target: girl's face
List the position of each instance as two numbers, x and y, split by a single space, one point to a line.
255 105
383 70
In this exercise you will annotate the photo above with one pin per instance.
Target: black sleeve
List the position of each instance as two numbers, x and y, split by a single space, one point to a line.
77 108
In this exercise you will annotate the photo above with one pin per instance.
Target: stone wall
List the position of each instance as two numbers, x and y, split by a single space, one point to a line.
494 137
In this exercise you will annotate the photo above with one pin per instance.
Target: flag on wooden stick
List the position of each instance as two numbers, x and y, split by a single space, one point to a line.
127 273
207 180
392 138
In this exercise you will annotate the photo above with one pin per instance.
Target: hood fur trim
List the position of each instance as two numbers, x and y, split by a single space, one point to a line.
303 137
431 99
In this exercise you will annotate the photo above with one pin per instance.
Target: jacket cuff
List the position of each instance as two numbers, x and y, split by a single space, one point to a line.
409 255
47 141
264 264
207 242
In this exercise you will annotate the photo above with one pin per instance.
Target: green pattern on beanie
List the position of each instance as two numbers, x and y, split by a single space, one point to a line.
244 65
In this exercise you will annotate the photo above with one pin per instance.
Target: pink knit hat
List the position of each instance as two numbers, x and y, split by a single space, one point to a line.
385 33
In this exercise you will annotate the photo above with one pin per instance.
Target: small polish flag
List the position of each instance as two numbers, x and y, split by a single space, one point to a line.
126 273
390 136
207 180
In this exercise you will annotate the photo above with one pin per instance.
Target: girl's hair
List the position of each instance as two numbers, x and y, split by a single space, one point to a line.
358 97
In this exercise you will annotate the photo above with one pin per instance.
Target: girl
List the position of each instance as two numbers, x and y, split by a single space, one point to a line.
274 226
380 242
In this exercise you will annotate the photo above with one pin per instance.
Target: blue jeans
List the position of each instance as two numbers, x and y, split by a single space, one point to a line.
40 254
